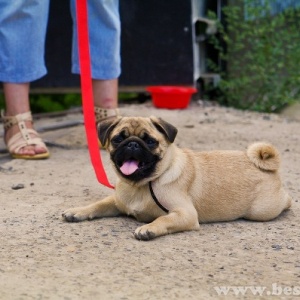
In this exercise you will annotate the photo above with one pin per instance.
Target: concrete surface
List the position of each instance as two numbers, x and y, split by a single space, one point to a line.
43 257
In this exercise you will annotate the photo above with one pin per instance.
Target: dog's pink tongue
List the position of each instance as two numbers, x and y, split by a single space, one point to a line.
129 167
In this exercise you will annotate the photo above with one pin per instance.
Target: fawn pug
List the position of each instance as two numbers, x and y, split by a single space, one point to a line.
173 189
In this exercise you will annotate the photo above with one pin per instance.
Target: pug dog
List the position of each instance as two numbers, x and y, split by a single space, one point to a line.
173 189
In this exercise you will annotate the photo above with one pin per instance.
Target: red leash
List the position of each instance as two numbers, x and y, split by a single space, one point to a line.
87 92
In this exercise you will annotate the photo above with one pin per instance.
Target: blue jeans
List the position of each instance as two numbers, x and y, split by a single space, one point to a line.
23 26
104 35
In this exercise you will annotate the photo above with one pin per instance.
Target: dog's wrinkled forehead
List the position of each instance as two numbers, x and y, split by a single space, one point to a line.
134 127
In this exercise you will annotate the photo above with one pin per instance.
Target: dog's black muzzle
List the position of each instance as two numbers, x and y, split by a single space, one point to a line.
136 151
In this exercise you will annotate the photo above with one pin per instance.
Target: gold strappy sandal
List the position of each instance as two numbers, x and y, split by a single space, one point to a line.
26 136
102 114
105 113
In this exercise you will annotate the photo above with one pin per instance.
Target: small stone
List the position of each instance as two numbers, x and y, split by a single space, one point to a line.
276 247
18 186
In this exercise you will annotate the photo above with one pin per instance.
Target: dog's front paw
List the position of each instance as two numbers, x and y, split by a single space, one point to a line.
77 214
144 233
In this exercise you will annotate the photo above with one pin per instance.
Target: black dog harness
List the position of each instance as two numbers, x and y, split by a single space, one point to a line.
155 199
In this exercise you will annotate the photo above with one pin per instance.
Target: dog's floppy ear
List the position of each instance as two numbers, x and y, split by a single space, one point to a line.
167 129
105 128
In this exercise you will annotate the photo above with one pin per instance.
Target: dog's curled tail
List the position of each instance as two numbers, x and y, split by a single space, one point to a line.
264 156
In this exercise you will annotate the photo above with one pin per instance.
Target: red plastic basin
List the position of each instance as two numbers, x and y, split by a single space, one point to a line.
172 97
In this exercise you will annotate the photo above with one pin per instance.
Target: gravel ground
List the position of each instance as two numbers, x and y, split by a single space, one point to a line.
43 257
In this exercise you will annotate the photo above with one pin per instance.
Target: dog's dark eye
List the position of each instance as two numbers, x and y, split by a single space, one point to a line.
117 139
151 142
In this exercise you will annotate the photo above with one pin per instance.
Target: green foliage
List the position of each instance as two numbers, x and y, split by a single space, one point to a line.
49 102
40 103
53 102
262 53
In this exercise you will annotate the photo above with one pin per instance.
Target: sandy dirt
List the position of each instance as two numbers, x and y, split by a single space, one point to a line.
43 257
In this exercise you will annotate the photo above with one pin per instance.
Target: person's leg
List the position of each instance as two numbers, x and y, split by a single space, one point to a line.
17 102
17 98
22 30
106 93
104 24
